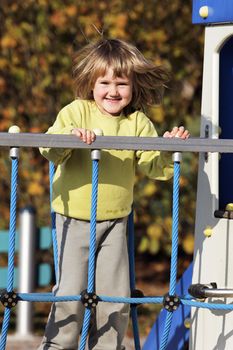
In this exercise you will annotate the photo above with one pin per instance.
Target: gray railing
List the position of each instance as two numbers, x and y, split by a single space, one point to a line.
117 142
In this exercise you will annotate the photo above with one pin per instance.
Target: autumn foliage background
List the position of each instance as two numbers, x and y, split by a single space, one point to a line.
37 40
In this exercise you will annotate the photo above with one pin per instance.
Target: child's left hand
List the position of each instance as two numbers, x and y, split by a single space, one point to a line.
180 132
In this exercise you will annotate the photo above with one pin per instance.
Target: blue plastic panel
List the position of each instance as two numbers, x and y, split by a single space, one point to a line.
219 11
225 122
44 276
179 335
4 241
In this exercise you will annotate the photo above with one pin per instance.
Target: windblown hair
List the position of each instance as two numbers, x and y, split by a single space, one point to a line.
94 59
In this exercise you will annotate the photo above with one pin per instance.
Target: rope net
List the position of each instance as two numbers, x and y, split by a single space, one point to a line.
171 301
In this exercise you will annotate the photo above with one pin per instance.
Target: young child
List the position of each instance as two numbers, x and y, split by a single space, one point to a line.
114 83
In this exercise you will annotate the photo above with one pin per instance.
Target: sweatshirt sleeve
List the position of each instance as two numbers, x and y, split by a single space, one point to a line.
155 164
62 125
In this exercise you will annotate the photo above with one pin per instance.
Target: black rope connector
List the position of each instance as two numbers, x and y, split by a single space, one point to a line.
9 299
136 293
89 300
171 302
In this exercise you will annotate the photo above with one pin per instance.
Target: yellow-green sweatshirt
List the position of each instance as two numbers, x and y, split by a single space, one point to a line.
72 181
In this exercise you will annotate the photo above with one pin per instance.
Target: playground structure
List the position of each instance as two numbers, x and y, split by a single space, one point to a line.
213 242
211 322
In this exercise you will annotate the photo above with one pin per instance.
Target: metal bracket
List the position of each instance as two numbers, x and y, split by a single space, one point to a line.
203 291
207 133
223 214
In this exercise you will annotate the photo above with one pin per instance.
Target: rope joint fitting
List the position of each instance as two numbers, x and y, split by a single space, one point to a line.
136 293
171 302
9 299
89 300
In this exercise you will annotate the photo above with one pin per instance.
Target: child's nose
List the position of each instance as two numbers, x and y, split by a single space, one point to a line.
113 90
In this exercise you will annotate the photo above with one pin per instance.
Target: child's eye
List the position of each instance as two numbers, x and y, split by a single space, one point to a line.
124 82
104 82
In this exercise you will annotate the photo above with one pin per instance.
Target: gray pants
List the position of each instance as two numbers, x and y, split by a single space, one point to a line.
110 320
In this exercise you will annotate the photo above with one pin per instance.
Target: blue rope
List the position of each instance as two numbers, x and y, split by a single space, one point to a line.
11 254
174 254
92 247
50 297
12 229
92 250
86 323
175 229
209 306
131 245
5 326
134 316
53 221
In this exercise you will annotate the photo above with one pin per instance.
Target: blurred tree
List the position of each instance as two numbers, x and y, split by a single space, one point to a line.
37 40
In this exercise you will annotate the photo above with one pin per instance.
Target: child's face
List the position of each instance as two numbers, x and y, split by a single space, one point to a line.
111 94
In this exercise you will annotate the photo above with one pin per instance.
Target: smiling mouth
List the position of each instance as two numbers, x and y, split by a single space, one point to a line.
113 99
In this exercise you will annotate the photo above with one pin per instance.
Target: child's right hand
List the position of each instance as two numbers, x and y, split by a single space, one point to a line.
87 136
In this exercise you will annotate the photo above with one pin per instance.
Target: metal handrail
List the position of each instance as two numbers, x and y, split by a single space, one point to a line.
117 142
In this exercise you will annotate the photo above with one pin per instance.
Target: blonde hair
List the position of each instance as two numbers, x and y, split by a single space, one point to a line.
94 59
